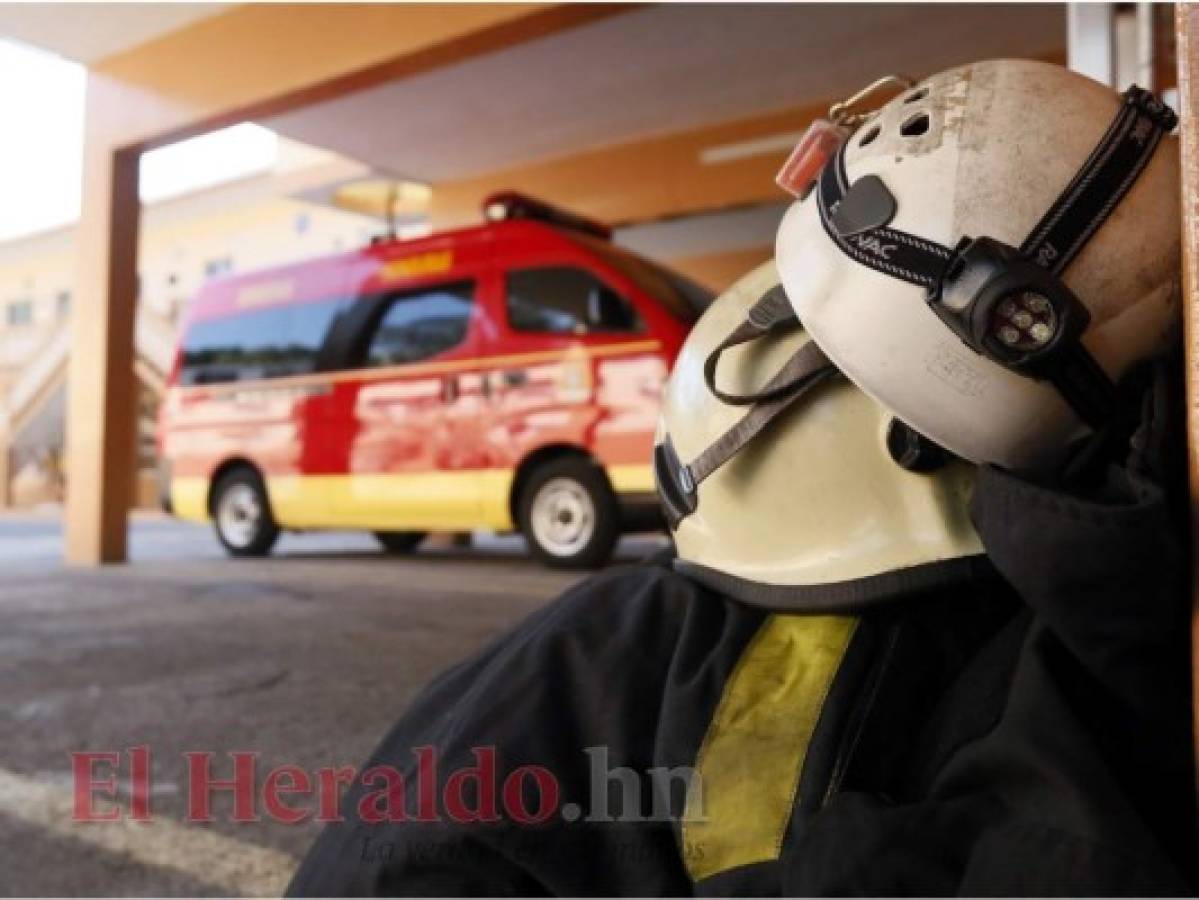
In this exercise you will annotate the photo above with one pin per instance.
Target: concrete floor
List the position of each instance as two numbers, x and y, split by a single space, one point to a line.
306 657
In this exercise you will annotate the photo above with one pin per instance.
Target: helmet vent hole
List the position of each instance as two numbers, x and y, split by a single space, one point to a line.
916 95
869 136
915 126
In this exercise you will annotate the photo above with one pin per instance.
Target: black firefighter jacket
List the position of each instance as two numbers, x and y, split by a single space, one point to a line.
1027 732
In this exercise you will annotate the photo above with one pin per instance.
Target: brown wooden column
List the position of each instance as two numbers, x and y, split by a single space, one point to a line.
101 389
5 466
1187 23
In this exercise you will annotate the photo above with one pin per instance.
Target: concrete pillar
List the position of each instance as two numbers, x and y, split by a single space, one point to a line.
1145 55
1091 40
101 389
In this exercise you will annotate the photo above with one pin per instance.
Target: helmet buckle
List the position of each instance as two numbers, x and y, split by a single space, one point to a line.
1147 103
867 205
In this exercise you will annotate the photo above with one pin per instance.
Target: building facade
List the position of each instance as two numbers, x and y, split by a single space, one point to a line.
253 222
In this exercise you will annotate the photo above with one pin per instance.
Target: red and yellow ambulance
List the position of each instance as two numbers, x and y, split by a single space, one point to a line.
500 376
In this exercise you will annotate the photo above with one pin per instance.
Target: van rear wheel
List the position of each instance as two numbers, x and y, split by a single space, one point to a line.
399 541
569 515
241 514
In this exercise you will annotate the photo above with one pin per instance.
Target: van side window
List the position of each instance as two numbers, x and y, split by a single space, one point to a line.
421 324
566 300
260 343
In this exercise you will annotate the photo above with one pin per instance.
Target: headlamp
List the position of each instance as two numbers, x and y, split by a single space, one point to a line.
1006 307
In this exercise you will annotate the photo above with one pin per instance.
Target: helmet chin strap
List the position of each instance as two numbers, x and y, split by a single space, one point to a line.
1005 303
771 314
678 483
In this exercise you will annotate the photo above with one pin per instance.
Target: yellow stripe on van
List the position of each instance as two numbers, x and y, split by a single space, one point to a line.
189 498
631 479
747 772
425 501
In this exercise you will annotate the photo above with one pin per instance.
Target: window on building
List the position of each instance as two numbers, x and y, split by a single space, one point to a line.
262 343
218 266
19 312
421 324
566 300
62 303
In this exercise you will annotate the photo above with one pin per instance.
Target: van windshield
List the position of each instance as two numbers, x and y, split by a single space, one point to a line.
680 296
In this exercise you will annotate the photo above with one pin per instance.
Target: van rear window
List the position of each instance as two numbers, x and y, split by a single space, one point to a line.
679 295
260 343
566 300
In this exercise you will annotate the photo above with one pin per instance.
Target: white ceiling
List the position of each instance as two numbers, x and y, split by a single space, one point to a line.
89 32
656 70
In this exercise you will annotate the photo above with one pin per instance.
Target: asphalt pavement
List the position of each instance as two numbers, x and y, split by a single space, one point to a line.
303 658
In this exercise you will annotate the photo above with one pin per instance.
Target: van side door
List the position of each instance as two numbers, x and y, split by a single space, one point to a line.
581 346
405 396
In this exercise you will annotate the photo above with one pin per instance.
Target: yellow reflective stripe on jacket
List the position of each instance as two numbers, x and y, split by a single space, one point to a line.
748 768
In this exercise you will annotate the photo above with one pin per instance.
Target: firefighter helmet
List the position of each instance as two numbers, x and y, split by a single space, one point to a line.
807 505
990 251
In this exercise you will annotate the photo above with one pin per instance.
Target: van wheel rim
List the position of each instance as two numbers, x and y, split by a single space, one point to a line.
239 515
562 517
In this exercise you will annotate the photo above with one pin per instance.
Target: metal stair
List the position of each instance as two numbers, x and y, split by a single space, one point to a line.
32 415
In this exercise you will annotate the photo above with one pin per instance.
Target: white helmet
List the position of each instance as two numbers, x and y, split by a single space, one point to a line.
784 484
990 251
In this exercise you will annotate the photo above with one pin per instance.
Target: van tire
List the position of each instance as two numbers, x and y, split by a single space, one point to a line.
569 514
241 514
399 542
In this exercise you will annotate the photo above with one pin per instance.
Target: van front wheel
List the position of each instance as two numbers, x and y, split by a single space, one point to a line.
242 514
569 515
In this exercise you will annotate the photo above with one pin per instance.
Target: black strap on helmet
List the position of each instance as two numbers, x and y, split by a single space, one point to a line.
1005 303
864 235
807 368
771 314
678 483
1102 182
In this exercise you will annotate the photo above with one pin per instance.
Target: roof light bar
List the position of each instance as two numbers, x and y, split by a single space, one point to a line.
508 205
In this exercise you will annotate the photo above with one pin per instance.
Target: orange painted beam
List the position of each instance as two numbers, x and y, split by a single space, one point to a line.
718 271
646 179
642 180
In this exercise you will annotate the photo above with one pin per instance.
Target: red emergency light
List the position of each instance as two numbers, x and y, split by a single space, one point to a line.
506 205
